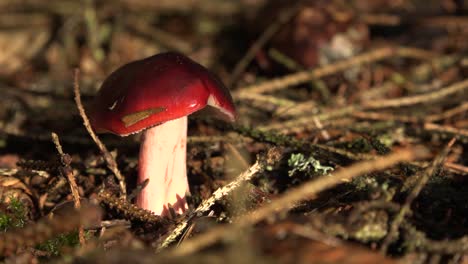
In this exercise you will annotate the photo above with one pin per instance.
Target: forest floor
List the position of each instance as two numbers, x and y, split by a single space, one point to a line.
350 144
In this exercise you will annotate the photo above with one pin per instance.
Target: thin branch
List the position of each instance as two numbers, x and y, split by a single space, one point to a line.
309 119
308 75
460 133
448 22
377 104
449 113
385 117
289 198
457 167
411 119
111 163
279 139
406 208
131 211
261 100
67 172
417 99
206 205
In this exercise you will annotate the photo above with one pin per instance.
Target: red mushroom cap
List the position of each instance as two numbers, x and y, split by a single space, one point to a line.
154 90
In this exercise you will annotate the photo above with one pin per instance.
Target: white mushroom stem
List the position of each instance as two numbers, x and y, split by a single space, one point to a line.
163 162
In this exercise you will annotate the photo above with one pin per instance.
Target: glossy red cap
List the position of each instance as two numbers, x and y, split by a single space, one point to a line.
154 90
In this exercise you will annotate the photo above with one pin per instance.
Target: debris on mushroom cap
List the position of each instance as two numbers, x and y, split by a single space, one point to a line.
154 90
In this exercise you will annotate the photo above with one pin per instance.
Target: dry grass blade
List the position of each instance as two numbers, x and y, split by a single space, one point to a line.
289 198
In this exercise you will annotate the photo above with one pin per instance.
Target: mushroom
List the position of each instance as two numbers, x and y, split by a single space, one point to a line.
154 96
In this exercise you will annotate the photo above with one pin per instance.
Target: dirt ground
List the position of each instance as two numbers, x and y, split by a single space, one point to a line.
350 143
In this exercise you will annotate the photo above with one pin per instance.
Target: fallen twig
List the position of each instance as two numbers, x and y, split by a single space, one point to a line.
206 205
457 167
378 104
308 75
309 119
67 172
417 99
462 134
409 118
131 211
111 163
289 198
429 172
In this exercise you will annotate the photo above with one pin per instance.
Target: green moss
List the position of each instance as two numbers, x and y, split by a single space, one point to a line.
5 222
54 246
372 228
378 145
299 163
14 216
360 145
